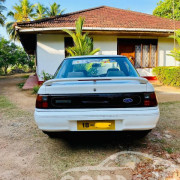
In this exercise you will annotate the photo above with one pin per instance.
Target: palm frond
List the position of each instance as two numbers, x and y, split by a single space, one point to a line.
83 44
10 28
2 19
10 13
68 31
79 25
54 10
61 12
94 51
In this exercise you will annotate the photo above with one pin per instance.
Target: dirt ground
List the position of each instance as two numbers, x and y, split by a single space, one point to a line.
23 99
166 93
26 153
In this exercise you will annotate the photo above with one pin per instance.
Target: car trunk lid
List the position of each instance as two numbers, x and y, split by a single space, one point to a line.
98 85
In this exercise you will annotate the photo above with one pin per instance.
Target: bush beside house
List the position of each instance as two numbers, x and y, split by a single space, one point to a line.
168 75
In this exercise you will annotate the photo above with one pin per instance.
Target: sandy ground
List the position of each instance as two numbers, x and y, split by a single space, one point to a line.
166 93
26 153
23 99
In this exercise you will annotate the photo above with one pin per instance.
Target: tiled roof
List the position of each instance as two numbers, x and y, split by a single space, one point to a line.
106 17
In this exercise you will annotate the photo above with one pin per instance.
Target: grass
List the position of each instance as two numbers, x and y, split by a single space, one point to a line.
25 76
169 150
20 85
10 110
169 122
155 140
36 89
5 104
170 116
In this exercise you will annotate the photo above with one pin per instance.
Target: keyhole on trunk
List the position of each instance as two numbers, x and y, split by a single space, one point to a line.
94 89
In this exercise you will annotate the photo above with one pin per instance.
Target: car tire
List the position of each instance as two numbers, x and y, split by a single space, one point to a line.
142 134
50 134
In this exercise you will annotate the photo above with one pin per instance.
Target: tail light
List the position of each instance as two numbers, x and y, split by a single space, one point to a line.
150 99
42 102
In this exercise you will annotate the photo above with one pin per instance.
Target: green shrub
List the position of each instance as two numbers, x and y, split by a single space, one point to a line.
168 75
20 85
19 69
25 76
36 89
46 76
1 72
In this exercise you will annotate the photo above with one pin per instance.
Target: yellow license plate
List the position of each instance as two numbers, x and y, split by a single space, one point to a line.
96 125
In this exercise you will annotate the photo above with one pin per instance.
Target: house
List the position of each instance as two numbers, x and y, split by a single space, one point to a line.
143 38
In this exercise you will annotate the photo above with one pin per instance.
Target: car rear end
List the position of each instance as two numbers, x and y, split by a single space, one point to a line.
96 104
118 111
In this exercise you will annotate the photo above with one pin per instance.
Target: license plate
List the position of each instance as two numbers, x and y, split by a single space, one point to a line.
96 125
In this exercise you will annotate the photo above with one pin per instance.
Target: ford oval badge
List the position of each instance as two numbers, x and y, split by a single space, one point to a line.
127 100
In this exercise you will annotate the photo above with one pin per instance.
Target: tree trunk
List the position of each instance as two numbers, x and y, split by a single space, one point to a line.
5 70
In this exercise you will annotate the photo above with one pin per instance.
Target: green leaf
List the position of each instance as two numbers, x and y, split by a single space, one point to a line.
83 44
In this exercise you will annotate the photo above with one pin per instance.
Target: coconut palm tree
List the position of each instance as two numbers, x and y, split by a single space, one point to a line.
54 10
41 12
10 28
21 12
24 11
83 44
2 17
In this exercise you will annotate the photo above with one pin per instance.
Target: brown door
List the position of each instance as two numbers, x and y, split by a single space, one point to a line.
127 50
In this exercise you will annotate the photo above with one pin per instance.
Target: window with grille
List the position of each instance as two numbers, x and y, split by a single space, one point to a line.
145 56
142 51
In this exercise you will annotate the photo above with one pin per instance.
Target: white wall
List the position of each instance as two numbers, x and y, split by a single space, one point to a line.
50 51
107 44
165 45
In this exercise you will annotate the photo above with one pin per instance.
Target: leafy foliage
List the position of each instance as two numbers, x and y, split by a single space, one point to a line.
83 44
7 54
54 10
36 89
10 28
21 12
13 55
20 85
25 11
176 51
165 9
2 17
40 11
46 76
168 75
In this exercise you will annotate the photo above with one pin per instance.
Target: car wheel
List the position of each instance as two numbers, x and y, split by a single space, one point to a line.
142 134
50 134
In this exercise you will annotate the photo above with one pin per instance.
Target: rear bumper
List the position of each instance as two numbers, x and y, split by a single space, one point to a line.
125 119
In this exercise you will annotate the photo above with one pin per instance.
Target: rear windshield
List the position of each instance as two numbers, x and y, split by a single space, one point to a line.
96 67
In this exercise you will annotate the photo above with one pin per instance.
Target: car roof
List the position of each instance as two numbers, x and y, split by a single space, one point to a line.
95 56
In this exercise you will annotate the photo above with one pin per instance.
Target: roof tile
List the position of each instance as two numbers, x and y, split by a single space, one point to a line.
106 17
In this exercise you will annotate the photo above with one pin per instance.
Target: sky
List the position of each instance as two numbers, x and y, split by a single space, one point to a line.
145 6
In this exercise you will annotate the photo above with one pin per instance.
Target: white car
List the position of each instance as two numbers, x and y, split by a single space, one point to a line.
96 93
